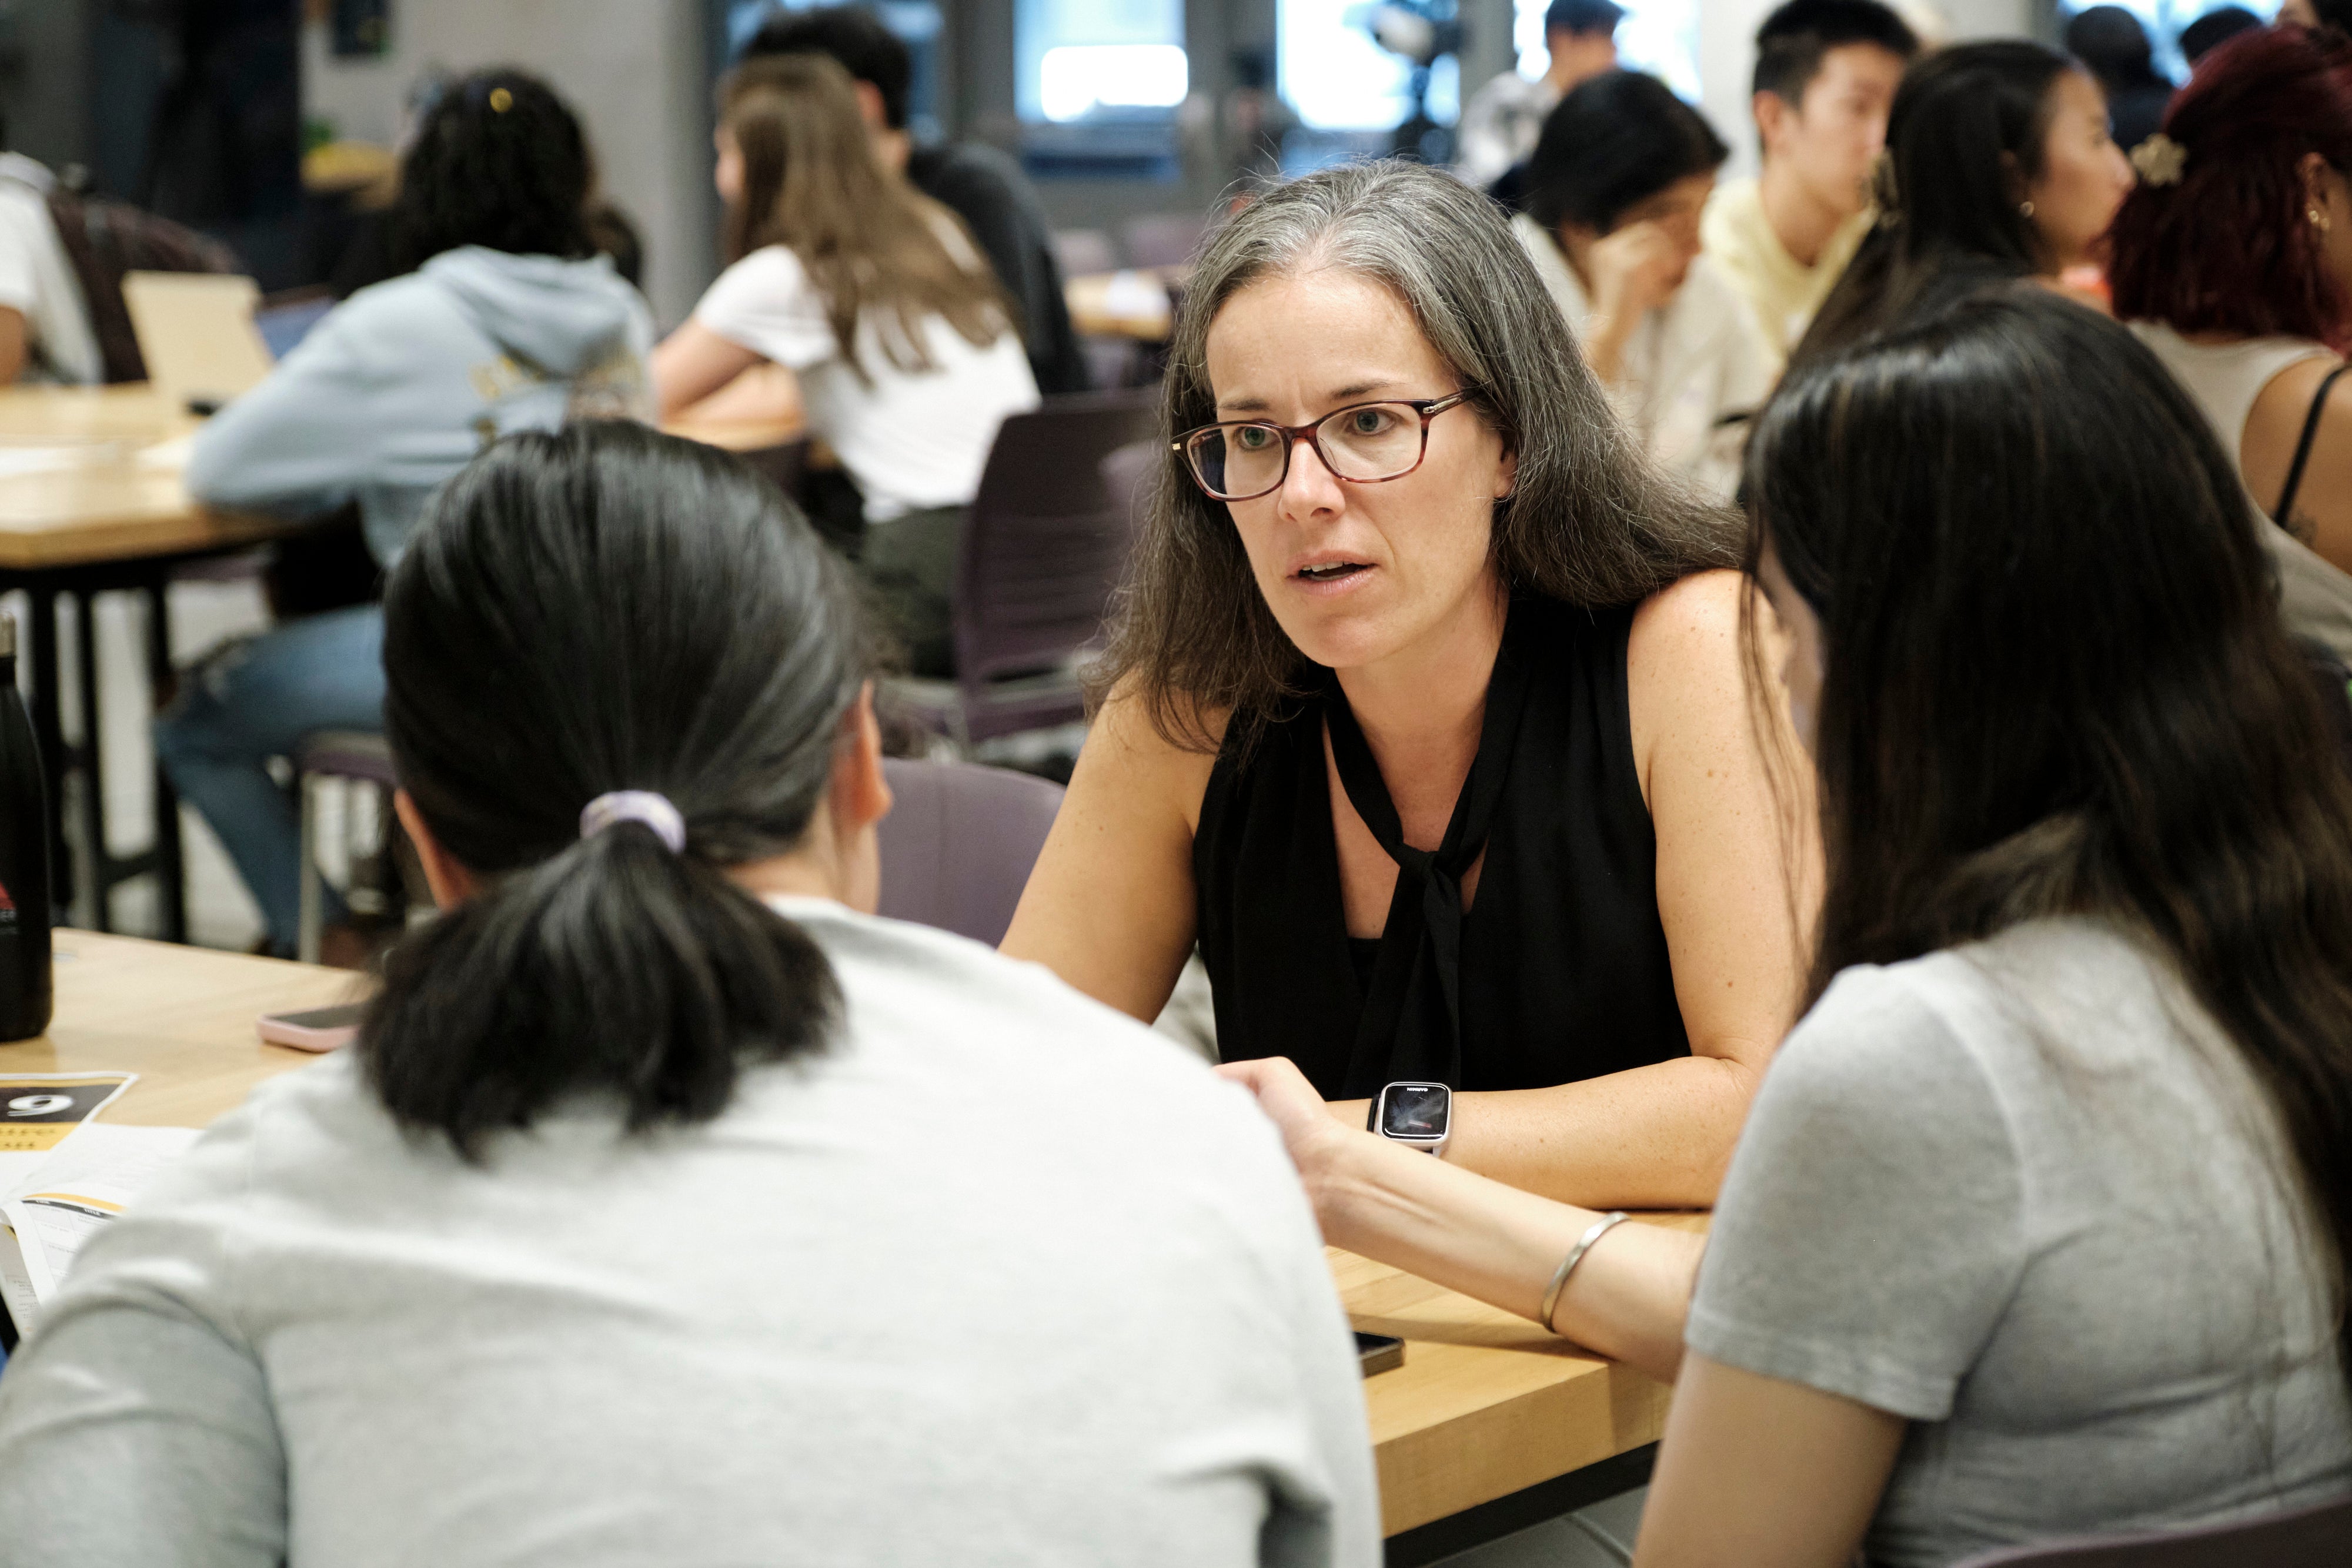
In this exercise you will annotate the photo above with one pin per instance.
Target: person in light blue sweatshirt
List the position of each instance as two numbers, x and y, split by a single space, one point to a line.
508 322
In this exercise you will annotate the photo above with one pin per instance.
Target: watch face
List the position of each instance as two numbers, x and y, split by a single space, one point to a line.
1415 1110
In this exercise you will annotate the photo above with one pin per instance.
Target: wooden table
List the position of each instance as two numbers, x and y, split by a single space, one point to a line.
1485 1404
1128 304
99 514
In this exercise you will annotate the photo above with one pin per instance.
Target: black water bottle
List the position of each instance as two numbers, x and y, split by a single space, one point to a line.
24 976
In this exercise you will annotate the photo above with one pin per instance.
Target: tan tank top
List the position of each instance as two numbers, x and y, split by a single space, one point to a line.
2224 379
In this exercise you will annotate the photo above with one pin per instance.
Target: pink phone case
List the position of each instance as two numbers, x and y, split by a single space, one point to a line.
288 1029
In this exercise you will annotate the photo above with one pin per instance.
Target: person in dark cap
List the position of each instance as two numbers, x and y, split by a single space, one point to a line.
2214 28
981 186
2111 42
1503 119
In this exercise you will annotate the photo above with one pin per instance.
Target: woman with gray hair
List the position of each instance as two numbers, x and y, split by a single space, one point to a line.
1425 717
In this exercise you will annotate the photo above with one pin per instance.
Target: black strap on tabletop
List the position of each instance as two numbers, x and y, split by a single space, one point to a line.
1412 1024
2284 511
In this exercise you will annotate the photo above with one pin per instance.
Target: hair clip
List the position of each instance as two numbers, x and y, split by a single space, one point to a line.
1883 189
2158 160
500 100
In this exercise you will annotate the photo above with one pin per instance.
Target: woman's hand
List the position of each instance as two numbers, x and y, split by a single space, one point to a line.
1308 1131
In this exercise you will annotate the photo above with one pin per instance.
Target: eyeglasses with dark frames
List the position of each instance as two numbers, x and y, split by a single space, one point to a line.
1363 443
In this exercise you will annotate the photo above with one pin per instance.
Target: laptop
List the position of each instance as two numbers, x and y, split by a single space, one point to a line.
196 333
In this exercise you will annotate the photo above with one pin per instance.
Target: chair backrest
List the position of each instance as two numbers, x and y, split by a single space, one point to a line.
959 843
2316 1537
1047 540
1163 239
1125 474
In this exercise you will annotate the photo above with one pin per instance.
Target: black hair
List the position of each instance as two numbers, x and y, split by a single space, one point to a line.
1791 41
614 233
1582 17
1612 142
2019 719
600 609
856 39
497 162
2115 45
2215 27
1969 127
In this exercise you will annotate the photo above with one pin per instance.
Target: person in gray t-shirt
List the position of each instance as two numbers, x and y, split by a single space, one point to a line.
2038 1225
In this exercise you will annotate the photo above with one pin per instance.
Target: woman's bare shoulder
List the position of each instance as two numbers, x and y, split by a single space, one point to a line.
1157 750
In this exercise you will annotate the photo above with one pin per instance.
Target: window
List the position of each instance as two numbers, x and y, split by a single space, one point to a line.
1336 76
2164 19
915 22
1660 37
1077 61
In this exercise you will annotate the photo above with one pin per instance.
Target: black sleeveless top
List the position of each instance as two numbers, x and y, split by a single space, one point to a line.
1557 972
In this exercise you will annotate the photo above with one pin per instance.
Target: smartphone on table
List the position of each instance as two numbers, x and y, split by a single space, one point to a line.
313 1028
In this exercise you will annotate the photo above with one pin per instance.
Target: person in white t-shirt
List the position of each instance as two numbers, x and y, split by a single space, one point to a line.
45 331
1614 193
873 296
672 1207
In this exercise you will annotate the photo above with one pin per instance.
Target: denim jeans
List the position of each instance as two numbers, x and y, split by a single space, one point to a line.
259 699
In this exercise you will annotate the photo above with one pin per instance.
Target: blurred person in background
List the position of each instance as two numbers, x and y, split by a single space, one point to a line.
45 328
2214 29
504 318
871 296
1826 71
1503 119
980 184
2233 262
2112 43
1614 193
2336 13
1999 166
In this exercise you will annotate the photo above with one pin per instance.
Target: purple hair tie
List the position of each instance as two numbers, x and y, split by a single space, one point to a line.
636 806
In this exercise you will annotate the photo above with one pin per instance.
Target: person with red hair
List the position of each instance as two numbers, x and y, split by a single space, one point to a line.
2232 260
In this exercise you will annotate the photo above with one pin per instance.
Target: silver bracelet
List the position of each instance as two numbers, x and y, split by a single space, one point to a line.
1600 1227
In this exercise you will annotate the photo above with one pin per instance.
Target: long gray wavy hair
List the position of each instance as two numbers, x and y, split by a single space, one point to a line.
1588 521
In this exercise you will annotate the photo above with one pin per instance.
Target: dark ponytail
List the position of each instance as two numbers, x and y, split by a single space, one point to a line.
601 610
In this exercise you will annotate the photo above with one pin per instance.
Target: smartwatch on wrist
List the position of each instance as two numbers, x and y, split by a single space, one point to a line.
1419 1115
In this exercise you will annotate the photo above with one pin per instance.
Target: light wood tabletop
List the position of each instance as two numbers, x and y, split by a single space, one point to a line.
1485 1403
181 1018
92 474
1128 304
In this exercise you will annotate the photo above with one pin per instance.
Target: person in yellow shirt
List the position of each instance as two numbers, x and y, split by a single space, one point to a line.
1826 72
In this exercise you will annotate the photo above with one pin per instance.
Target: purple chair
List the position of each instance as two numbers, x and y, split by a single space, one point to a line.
356 756
1042 548
959 843
2316 1537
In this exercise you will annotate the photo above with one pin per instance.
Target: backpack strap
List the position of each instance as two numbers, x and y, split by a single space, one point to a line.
2285 508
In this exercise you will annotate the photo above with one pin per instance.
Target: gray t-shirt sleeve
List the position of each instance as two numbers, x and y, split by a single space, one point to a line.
135 1426
1871 1228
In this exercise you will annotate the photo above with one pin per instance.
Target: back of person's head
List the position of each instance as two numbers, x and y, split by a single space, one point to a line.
2223 243
869 242
500 162
2111 41
1586 521
857 40
2018 718
1613 142
1583 18
1968 129
600 609
1791 41
2214 28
